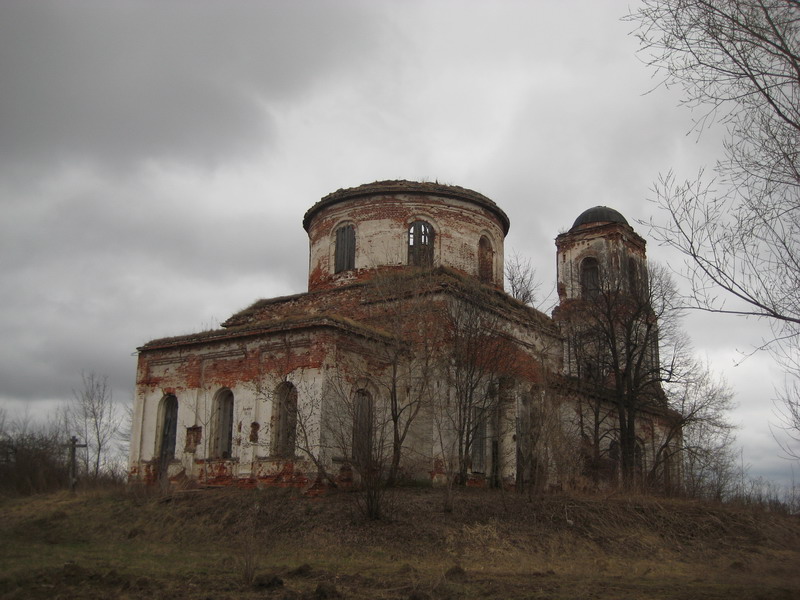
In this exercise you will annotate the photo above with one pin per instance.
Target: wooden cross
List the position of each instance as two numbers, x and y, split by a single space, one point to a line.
73 444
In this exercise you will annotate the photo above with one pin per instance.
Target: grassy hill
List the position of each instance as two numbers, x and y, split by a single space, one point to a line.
228 543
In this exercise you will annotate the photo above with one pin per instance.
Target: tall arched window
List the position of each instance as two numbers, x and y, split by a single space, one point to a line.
222 425
363 429
345 258
420 244
168 424
284 420
485 260
590 277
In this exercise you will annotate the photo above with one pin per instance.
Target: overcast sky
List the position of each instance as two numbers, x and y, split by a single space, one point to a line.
156 160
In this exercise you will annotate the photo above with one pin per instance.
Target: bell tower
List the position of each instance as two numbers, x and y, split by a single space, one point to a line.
599 251
602 285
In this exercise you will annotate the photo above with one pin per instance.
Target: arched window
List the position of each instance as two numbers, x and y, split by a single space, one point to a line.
420 244
363 429
590 277
168 424
485 260
284 420
345 258
222 425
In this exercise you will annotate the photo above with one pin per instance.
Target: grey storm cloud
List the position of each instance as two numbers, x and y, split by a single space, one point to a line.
126 81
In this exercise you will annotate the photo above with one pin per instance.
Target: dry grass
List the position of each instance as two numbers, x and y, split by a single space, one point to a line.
224 543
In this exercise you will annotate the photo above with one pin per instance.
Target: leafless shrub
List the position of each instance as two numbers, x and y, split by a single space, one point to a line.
33 455
521 279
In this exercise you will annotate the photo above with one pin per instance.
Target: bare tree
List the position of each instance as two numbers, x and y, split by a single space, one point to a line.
546 441
787 412
405 310
309 428
699 437
638 370
93 415
624 344
478 362
739 62
358 429
521 279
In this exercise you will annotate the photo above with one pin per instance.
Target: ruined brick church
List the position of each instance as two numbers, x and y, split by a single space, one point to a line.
406 357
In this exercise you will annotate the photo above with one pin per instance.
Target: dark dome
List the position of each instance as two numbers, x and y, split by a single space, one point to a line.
599 214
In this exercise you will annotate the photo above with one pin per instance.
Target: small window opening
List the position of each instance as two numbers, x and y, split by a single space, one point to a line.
485 260
420 244
193 436
222 441
345 258
284 421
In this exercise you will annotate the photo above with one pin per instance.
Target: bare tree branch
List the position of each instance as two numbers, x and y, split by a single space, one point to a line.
738 61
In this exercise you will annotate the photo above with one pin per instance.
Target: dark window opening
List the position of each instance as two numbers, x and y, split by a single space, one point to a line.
345 249
284 420
590 278
193 437
254 428
169 428
478 446
222 440
420 244
363 429
485 260
633 277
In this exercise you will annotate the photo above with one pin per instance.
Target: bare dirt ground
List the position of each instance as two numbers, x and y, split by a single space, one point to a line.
228 543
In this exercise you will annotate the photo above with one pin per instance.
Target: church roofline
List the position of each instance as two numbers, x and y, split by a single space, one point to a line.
261 328
437 280
408 187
